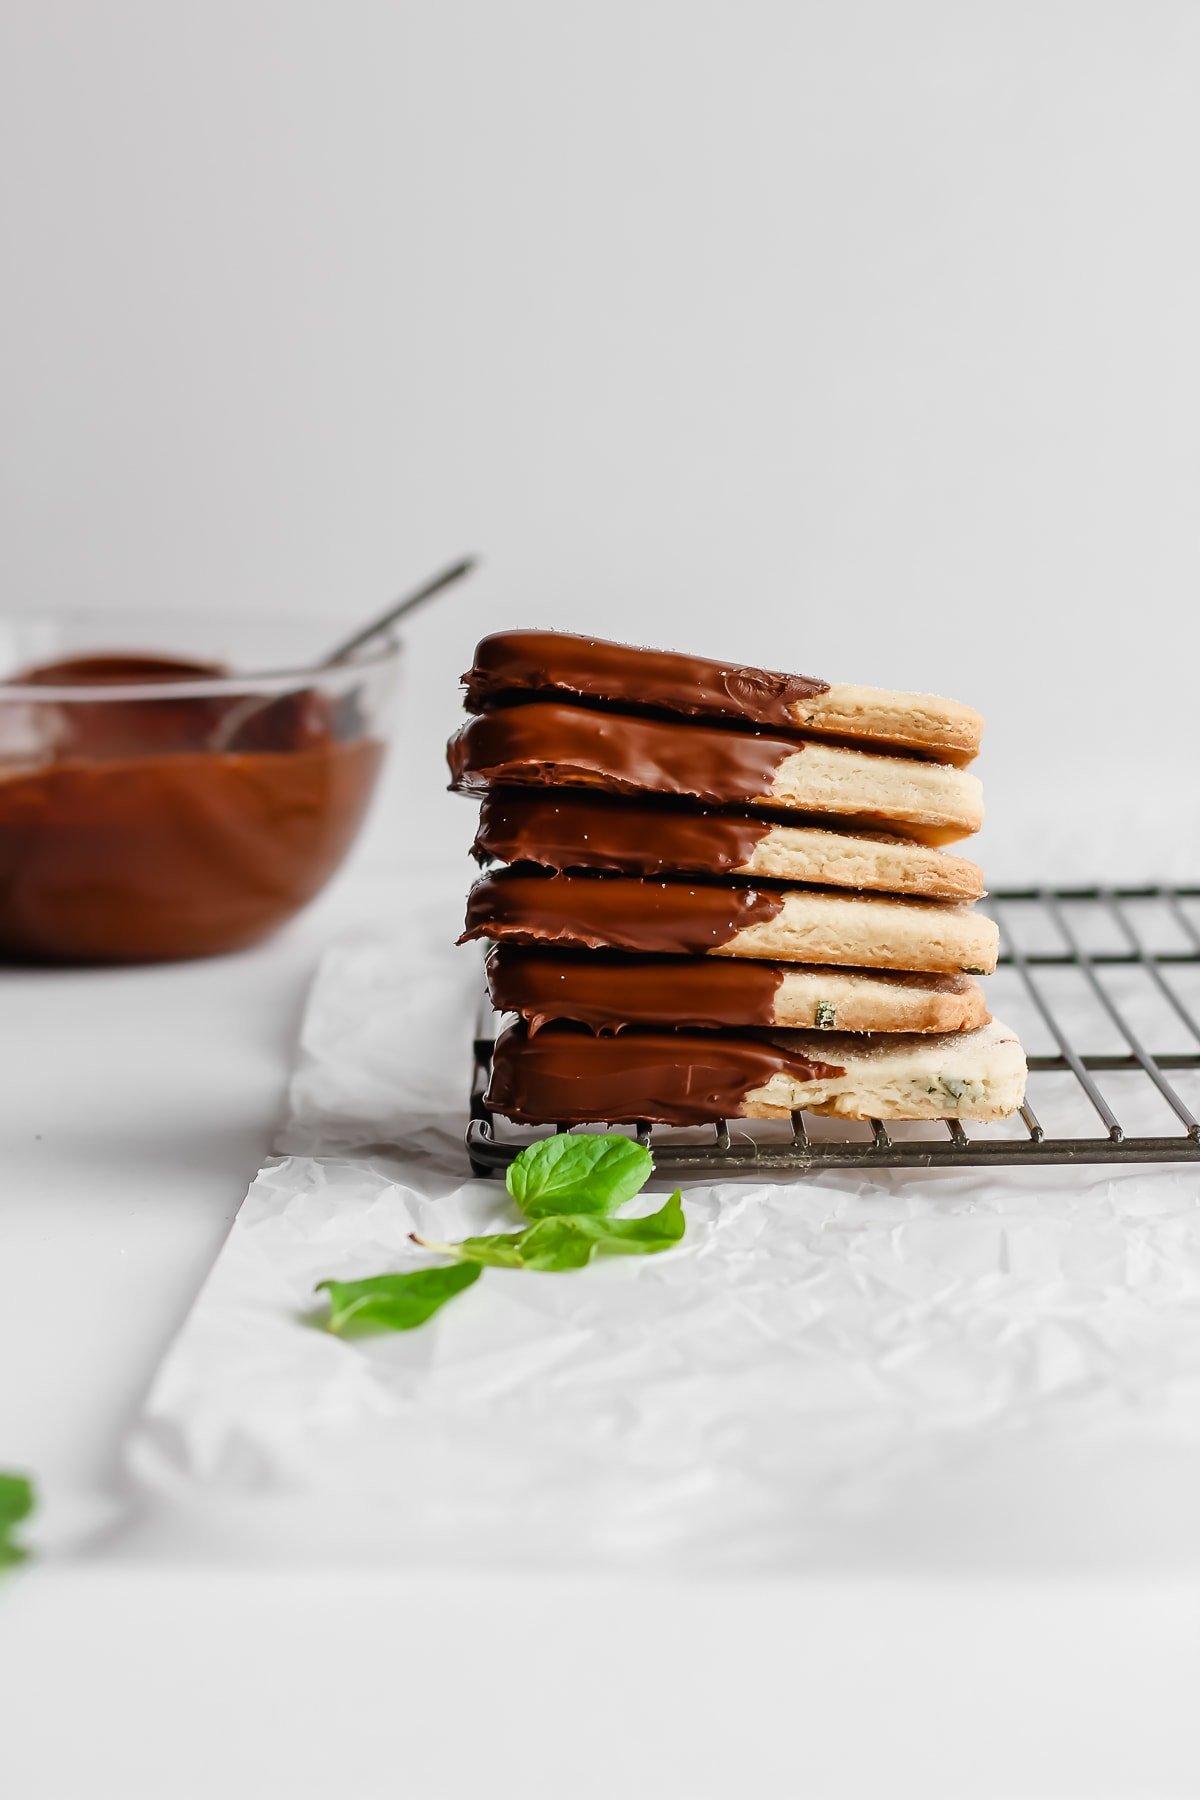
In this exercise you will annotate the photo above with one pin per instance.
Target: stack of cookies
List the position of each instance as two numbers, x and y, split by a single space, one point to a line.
726 891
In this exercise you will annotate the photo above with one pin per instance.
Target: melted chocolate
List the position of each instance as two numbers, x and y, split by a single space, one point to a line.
548 745
117 668
575 831
590 912
137 825
166 855
608 993
591 669
569 1076
169 723
114 728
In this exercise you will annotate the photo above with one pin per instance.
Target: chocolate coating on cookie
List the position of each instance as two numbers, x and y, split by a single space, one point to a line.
589 912
546 744
607 993
580 831
602 673
568 1075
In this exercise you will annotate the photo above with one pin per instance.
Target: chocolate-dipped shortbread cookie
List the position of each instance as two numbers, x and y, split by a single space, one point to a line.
608 992
548 744
675 918
567 1075
561 830
596 672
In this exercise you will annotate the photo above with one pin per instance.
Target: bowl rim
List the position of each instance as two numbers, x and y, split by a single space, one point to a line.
194 687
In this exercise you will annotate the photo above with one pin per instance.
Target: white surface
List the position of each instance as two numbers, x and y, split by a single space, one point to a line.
838 334
133 1103
245 1685
848 336
182 1668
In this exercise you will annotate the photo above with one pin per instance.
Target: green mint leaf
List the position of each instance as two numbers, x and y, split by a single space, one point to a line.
17 1501
567 1174
569 1241
644 1236
556 1244
394 1302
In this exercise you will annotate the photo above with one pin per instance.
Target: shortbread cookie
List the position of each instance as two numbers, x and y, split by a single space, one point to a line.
924 724
547 744
596 672
675 918
966 1075
562 830
610 992
570 1076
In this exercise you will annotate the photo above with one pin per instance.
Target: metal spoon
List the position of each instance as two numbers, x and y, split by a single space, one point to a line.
398 611
225 736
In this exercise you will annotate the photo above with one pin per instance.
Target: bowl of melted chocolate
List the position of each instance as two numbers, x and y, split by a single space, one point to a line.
156 803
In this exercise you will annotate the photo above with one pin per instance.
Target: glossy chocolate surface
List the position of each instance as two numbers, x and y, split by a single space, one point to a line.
610 992
590 912
172 856
170 825
117 668
580 831
621 675
169 722
546 744
567 1075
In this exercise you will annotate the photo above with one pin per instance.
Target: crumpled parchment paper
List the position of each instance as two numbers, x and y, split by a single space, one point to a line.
986 1368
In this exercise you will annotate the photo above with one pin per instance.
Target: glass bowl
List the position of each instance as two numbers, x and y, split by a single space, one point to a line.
174 788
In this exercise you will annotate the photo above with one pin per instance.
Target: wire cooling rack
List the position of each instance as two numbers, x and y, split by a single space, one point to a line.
1087 976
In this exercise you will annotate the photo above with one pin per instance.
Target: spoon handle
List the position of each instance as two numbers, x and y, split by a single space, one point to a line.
397 611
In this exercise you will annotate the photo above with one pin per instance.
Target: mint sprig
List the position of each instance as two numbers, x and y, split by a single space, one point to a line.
568 1188
569 1242
17 1501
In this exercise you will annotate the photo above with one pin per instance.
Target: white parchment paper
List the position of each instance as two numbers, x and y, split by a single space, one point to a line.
997 1369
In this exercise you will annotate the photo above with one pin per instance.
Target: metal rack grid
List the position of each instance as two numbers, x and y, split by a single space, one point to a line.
1076 917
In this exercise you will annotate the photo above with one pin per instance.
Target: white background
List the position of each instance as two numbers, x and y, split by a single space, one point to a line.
853 337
